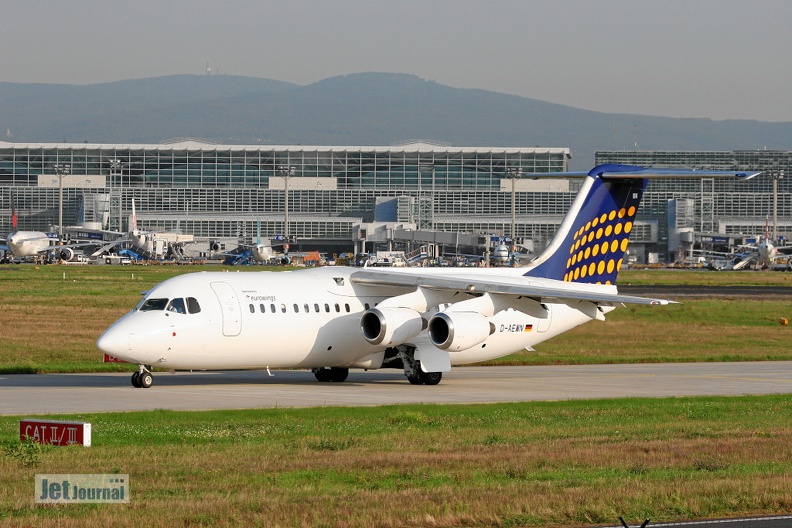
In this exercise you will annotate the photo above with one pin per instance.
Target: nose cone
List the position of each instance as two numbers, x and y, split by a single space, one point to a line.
13 244
114 342
117 340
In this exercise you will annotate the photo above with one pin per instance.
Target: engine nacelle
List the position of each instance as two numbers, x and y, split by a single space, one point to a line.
64 253
455 331
391 326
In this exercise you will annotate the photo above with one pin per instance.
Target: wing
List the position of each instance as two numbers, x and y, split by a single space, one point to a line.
69 245
541 290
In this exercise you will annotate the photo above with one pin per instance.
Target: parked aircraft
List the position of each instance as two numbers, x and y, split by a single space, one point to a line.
766 253
262 253
769 252
259 253
420 320
30 244
148 244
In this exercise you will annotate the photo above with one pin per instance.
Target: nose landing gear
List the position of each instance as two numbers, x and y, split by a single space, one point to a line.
142 379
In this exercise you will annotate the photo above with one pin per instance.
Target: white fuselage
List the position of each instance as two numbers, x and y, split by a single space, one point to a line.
767 252
261 252
28 243
308 318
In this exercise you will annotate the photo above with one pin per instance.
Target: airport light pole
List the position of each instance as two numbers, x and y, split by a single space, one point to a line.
778 174
116 171
286 172
61 169
514 173
419 201
421 207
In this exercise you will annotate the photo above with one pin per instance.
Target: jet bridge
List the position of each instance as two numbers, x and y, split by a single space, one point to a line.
430 243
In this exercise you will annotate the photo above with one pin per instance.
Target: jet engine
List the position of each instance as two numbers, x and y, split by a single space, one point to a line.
64 253
455 331
391 326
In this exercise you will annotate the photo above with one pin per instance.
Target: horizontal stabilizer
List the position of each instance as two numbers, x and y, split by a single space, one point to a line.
620 172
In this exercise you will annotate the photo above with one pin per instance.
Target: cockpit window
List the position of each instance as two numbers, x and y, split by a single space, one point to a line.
194 307
153 304
177 305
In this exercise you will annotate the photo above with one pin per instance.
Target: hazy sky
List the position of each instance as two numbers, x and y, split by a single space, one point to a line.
683 58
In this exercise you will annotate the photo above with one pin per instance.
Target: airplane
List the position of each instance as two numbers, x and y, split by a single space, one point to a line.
28 244
154 243
421 320
503 255
261 253
147 244
257 253
767 251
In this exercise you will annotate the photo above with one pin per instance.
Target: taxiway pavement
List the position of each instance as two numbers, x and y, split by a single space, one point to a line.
26 394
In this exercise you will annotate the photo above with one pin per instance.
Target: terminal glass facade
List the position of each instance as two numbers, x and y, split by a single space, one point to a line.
216 191
224 191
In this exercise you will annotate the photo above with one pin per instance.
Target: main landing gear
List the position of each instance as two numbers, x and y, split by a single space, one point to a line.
412 368
424 378
142 379
336 374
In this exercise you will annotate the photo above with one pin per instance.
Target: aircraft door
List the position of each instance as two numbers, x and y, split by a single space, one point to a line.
543 312
229 304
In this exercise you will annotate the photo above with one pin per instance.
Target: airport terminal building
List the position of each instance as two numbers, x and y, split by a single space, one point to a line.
235 192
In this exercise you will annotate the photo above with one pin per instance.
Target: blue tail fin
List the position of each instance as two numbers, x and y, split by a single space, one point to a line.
591 241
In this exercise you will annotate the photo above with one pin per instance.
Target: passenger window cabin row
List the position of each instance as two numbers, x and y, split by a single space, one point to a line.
306 308
190 305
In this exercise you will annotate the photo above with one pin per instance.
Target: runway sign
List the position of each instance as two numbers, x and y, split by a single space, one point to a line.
55 432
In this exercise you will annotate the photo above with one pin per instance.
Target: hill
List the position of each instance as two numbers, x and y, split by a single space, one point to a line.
358 109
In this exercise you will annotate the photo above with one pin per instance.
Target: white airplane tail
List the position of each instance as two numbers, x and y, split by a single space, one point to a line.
133 225
14 219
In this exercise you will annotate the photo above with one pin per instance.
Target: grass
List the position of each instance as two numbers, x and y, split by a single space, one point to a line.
665 277
52 316
523 464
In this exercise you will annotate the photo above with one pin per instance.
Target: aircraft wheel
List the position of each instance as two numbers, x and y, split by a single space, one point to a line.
431 378
322 374
338 374
145 379
415 379
136 380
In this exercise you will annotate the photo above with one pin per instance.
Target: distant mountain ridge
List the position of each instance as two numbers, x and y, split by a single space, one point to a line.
356 109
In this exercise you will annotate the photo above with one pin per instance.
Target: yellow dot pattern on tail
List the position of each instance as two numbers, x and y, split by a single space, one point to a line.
597 249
